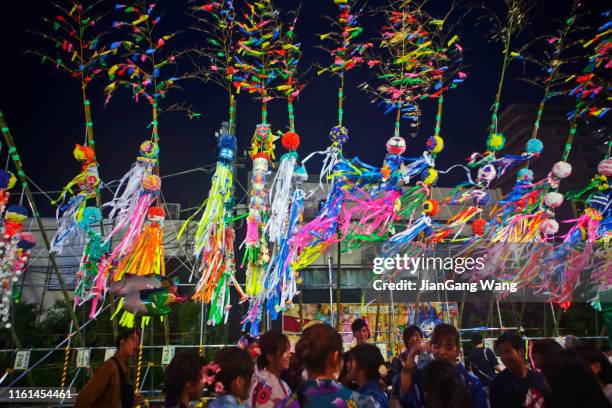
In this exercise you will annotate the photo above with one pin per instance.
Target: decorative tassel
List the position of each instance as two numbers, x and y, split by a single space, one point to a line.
94 251
280 282
125 203
151 187
280 194
10 257
88 182
398 241
147 256
216 206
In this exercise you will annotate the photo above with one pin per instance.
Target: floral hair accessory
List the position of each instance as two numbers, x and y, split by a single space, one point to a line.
219 389
209 371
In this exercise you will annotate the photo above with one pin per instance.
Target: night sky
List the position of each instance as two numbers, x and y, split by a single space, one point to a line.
44 110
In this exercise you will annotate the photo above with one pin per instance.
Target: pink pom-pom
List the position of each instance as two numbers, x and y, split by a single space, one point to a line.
605 167
562 169
252 235
549 227
553 199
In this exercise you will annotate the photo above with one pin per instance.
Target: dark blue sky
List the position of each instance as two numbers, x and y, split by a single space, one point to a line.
44 111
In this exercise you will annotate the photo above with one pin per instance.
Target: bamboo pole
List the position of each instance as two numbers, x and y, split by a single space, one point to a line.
89 133
8 138
506 62
291 116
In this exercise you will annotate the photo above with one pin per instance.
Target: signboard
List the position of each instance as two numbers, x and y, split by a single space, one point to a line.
22 360
167 354
109 353
83 356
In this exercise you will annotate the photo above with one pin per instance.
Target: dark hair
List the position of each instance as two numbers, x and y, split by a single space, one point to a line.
185 366
409 332
271 343
572 383
358 324
545 347
124 335
369 359
442 386
476 339
234 362
445 332
316 345
592 355
516 342
313 350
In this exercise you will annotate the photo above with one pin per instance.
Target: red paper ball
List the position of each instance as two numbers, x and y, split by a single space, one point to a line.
156 212
478 227
290 141
431 207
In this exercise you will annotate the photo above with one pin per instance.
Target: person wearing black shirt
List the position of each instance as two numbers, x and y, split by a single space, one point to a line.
482 361
516 386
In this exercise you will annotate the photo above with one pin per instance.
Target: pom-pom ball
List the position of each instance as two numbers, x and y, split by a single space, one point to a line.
83 153
338 135
549 227
496 142
290 140
156 213
431 207
151 183
16 213
429 176
89 216
605 167
149 149
534 146
479 227
396 145
553 199
524 175
434 144
562 169
7 180
226 148
27 240
260 163
487 173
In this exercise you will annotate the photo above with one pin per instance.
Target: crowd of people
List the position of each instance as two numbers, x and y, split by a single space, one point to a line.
320 372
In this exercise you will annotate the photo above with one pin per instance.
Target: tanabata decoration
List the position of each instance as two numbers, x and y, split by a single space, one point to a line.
280 189
280 284
280 226
94 251
316 237
147 254
68 213
145 295
214 238
259 62
135 193
14 251
257 255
